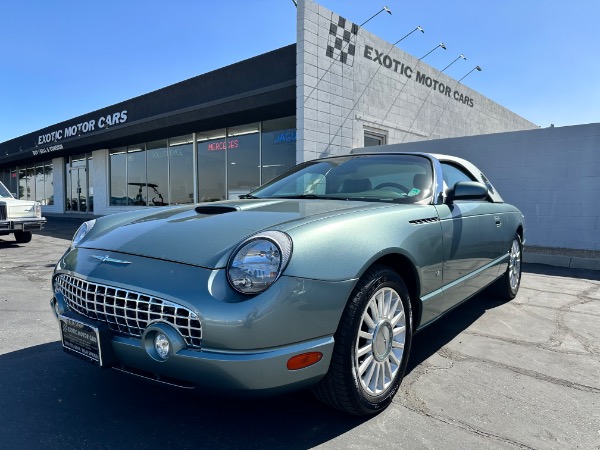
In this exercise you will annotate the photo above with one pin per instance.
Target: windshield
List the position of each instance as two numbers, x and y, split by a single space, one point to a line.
379 178
4 192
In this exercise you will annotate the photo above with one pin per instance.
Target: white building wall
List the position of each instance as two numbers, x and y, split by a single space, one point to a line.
58 187
337 100
100 178
552 175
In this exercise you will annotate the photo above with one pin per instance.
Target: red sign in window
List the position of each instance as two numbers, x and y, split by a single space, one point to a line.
222 145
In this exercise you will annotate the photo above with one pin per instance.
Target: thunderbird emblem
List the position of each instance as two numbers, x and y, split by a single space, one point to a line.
108 259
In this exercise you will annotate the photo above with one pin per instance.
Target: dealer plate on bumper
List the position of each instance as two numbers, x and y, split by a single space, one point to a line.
81 340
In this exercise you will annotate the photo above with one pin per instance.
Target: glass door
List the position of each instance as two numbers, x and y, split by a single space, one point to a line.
79 198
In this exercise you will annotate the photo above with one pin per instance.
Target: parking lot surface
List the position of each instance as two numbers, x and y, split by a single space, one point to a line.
491 374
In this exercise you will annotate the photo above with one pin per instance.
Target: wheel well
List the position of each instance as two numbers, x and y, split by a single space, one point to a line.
405 268
520 232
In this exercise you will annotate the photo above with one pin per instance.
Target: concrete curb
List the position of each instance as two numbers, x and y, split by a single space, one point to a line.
571 262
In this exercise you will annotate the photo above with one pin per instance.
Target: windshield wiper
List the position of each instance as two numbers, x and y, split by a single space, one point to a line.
243 196
310 196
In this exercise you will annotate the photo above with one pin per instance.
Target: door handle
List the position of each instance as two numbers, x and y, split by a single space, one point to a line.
498 221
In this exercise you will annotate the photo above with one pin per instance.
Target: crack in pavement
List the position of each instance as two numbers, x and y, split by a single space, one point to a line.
407 397
456 356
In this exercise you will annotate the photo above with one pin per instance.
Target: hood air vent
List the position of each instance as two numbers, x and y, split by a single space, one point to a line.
422 221
215 209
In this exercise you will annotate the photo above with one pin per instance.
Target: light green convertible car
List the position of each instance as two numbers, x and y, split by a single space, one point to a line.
317 279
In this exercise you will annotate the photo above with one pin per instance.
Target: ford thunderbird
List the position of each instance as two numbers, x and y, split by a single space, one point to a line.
318 279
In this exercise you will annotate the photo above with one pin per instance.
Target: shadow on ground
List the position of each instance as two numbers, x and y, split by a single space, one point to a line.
54 401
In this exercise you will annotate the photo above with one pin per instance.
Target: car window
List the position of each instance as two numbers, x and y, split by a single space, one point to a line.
453 174
391 178
4 192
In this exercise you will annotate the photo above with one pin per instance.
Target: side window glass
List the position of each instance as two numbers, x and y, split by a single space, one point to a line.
453 175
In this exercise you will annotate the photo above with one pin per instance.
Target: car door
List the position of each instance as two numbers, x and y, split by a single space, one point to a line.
472 237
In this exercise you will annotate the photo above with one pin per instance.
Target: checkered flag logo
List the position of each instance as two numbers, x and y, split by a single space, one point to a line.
340 45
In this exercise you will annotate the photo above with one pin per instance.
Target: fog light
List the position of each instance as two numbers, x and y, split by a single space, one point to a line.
161 345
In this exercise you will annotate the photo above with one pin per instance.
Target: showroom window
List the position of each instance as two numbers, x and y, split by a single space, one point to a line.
278 146
156 173
243 159
233 161
118 177
34 182
211 165
229 162
181 164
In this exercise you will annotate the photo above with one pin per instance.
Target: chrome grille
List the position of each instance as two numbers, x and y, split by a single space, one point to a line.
127 312
3 211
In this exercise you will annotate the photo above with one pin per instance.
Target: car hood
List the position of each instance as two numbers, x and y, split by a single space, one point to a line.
206 234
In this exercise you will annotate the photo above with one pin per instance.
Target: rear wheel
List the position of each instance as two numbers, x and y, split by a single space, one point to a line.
23 237
507 287
372 345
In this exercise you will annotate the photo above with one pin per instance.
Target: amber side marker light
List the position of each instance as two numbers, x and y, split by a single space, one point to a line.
304 360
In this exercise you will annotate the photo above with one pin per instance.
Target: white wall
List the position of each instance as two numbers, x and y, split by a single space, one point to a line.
551 174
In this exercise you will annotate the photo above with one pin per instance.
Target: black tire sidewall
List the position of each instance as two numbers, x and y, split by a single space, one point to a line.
380 279
23 237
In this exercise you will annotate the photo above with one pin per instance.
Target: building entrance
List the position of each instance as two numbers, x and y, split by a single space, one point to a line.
79 189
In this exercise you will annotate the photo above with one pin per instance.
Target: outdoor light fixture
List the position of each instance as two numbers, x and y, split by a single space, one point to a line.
385 8
440 45
408 34
460 56
478 68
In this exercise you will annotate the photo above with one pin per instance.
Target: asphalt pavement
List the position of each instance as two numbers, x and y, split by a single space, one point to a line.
490 374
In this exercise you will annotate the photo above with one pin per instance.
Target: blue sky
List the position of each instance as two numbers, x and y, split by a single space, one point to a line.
63 58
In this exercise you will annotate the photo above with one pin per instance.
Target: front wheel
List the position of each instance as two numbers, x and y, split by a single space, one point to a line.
508 285
372 345
23 237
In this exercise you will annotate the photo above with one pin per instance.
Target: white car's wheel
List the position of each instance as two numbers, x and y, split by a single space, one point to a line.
23 237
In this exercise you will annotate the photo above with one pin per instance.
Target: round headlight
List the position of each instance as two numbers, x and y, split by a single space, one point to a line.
259 261
82 231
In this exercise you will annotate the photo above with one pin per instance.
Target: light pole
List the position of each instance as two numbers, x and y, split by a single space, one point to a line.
478 68
440 45
385 8
408 34
459 56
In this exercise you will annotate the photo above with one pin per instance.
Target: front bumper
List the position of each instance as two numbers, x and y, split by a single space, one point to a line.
259 371
10 226
246 342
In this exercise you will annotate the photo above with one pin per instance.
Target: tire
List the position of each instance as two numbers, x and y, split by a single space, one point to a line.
23 237
371 349
508 285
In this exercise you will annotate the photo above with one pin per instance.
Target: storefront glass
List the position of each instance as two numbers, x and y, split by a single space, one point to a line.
118 175
181 166
278 145
137 190
211 165
158 172
243 159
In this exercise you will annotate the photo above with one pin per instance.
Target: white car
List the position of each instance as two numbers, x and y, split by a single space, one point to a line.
19 217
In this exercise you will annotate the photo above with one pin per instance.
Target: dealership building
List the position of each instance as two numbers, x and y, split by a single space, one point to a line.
223 133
